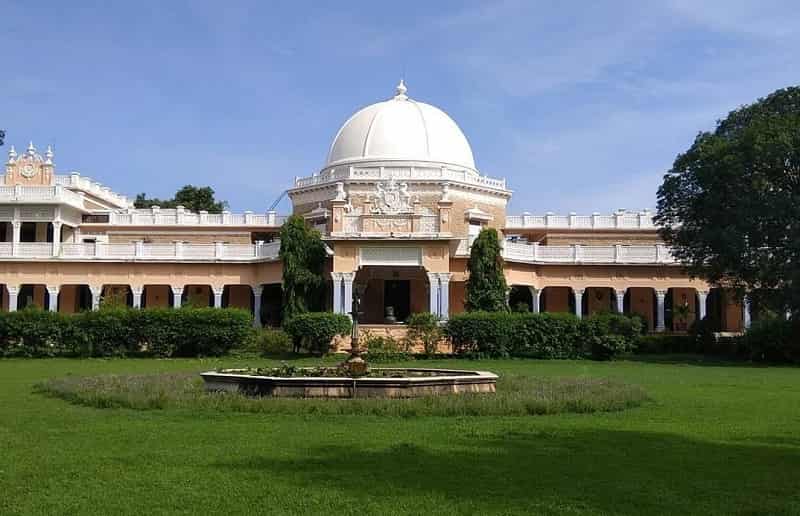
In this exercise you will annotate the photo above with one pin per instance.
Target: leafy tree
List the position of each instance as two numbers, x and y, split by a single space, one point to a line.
730 205
303 255
194 198
486 286
2 137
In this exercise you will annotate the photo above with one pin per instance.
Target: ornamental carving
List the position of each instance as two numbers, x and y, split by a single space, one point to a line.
391 198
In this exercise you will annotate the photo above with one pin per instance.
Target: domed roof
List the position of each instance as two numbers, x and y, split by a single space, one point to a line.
401 129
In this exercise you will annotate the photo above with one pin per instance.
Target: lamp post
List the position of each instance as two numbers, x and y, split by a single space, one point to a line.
355 364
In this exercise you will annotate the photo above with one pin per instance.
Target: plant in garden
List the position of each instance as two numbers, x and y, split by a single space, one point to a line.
424 327
314 331
303 256
486 285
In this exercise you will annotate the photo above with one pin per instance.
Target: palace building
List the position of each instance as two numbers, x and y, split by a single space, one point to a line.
398 202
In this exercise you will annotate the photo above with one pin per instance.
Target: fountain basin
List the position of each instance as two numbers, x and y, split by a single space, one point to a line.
403 383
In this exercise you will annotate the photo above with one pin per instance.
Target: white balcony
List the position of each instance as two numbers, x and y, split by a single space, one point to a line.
612 254
77 182
401 173
40 194
182 217
619 220
140 251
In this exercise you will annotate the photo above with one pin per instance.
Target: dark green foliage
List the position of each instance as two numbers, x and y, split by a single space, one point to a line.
424 327
773 340
730 205
606 335
314 331
384 348
271 342
123 332
2 137
486 285
303 256
193 198
666 344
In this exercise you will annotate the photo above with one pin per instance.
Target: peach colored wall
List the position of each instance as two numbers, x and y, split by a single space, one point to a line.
68 299
641 302
239 297
557 299
418 291
458 296
156 296
164 236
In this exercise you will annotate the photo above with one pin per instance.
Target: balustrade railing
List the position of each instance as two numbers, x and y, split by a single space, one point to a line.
172 217
611 254
140 250
20 193
401 173
618 220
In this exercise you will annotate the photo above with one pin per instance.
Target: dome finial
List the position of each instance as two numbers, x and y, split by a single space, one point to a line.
401 90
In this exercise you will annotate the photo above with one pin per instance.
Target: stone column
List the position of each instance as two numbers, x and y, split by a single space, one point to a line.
536 306
433 294
96 291
137 296
177 292
13 298
444 295
257 291
620 300
347 299
52 294
746 312
16 231
579 301
661 296
56 238
218 291
338 307
702 296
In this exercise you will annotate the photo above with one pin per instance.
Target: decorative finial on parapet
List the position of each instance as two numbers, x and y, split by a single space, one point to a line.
49 155
31 149
12 154
401 90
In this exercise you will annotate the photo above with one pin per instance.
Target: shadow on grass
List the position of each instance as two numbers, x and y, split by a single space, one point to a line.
691 359
604 471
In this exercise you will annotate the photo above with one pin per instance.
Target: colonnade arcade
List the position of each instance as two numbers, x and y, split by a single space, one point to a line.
671 309
262 300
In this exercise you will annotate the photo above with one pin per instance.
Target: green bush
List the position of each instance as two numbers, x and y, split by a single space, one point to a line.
655 343
773 340
542 335
424 327
383 348
314 331
271 342
115 331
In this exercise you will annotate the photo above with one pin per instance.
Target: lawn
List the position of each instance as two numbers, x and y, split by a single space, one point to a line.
714 439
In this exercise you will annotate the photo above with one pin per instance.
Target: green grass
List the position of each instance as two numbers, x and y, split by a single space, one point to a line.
517 395
715 439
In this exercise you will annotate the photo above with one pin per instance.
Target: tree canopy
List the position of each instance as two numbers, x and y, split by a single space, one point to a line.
194 198
486 285
730 205
303 255
2 137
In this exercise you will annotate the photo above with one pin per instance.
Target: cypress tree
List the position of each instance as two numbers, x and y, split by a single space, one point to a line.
486 286
303 255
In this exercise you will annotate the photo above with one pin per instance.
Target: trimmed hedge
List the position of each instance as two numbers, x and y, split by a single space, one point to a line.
542 335
158 332
773 340
314 331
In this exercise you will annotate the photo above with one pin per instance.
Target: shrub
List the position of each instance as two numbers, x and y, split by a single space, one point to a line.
424 327
666 343
384 348
773 340
269 341
33 333
606 335
315 330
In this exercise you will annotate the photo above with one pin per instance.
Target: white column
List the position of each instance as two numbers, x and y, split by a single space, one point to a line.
16 230
535 299
96 291
338 307
52 302
579 301
257 291
620 292
13 298
217 291
137 296
746 312
444 295
433 293
177 292
56 238
702 296
661 295
347 299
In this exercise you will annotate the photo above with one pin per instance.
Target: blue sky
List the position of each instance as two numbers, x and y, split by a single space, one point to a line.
581 105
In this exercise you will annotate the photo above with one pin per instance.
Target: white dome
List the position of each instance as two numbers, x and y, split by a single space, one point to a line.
401 129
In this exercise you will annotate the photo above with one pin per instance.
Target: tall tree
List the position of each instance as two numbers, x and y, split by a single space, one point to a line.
486 285
730 205
194 198
2 137
303 255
